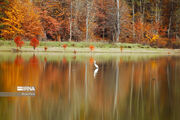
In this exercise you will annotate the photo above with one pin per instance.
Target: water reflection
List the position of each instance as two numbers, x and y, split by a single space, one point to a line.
66 88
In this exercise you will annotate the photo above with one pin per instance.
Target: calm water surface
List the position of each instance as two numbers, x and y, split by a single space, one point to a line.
68 87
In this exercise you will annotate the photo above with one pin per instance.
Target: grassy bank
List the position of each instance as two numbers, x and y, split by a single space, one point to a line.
76 44
83 47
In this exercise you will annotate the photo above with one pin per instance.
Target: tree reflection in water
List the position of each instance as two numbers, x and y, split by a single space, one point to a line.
123 89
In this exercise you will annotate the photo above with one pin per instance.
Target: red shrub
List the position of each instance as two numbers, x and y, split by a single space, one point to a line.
17 39
64 46
19 42
34 42
45 48
91 47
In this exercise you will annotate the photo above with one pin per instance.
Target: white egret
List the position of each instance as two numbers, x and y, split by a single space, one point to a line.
97 68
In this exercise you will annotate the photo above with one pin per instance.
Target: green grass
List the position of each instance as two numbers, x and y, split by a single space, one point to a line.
76 44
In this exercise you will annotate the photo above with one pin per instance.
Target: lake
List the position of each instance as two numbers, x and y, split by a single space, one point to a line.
70 87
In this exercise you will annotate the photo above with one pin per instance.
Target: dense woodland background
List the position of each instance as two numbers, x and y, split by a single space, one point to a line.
152 22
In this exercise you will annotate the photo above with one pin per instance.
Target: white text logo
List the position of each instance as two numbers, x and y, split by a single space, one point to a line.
25 88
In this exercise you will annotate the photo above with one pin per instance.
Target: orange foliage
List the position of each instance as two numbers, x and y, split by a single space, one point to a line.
162 42
141 29
50 24
21 20
12 21
32 25
149 33
55 19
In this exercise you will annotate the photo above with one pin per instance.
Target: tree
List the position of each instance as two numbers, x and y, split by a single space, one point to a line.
34 42
51 25
19 42
70 38
57 14
3 7
113 25
118 21
105 19
32 25
21 20
12 20
132 21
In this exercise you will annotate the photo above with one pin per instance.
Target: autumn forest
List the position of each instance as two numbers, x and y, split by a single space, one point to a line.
147 22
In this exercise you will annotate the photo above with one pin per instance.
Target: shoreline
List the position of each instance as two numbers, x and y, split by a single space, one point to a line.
87 50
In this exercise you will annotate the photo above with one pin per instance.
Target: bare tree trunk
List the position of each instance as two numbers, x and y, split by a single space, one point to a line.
159 12
71 24
169 27
133 20
87 22
156 19
103 33
142 20
140 5
170 20
104 24
118 21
